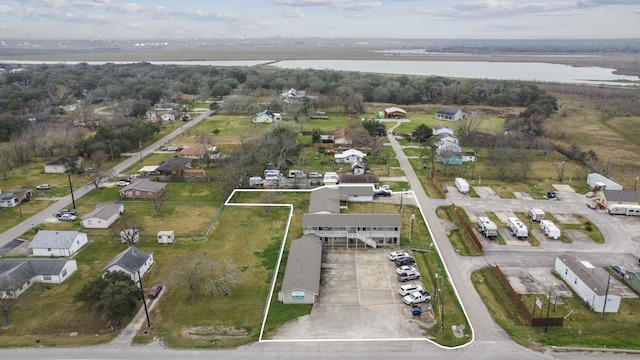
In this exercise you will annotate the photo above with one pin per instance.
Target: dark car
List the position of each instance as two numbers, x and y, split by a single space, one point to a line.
66 211
155 291
619 269
404 260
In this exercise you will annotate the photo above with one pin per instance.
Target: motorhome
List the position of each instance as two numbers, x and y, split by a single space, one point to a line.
536 215
550 229
487 227
462 185
623 209
517 228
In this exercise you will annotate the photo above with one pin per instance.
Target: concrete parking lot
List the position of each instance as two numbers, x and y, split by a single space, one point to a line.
359 300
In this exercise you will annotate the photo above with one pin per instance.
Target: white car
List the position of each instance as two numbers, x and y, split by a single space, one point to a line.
590 194
396 254
315 175
405 268
123 183
43 187
67 217
409 288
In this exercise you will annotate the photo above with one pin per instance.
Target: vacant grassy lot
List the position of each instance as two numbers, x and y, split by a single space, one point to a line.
582 327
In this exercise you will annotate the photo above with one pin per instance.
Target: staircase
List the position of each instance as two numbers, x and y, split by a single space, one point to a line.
365 239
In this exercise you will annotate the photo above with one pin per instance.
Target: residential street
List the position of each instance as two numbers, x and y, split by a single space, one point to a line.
489 342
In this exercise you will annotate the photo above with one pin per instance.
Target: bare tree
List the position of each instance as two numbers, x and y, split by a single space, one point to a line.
267 197
469 124
159 200
197 273
6 163
98 157
9 296
96 178
128 229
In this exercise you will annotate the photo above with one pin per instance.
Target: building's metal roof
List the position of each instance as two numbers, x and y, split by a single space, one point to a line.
325 199
627 196
448 110
144 185
304 265
104 211
344 220
20 270
594 278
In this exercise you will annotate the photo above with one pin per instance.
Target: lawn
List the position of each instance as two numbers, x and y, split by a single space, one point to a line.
582 327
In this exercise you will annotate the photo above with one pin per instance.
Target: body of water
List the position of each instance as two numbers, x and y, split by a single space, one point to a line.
522 71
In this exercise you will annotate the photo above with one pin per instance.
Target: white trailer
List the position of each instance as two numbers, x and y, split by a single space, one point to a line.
623 209
462 185
550 229
487 227
536 215
517 228
166 237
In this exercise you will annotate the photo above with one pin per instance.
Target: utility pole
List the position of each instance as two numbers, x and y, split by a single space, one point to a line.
73 200
606 294
546 323
144 299
413 217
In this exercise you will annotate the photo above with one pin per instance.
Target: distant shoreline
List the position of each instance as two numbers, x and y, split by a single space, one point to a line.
625 63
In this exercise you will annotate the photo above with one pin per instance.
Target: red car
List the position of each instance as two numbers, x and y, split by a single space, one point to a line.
329 152
155 291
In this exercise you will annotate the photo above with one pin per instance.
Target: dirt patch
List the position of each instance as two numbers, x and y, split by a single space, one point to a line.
566 219
486 192
522 195
213 331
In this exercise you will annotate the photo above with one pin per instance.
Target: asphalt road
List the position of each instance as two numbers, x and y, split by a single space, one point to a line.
490 341
84 189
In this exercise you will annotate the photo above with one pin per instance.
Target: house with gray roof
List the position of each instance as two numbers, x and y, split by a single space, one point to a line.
132 262
449 114
589 282
103 216
144 189
53 243
301 283
12 198
61 164
17 275
627 197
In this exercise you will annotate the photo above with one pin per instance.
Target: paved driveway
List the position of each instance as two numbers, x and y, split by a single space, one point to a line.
358 300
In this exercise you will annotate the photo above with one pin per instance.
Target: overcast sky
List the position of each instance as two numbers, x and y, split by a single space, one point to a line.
192 19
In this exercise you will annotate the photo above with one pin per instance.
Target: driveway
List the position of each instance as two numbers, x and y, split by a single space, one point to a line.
359 300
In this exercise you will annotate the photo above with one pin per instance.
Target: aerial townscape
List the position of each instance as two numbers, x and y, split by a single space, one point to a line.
318 196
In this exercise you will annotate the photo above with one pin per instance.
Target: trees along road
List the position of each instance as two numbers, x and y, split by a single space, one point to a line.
490 341
81 191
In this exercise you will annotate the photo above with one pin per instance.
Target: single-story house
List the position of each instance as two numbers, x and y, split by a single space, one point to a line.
57 243
132 262
14 197
195 152
446 138
340 137
301 282
448 148
349 156
174 166
441 129
168 117
449 114
293 94
266 117
627 197
144 189
103 216
61 165
358 167
601 182
394 113
589 282
21 274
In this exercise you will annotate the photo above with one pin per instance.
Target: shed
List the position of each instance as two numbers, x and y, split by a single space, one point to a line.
301 283
166 237
394 113
57 243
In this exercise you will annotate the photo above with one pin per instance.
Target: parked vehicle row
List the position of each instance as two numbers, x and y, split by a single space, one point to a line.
412 294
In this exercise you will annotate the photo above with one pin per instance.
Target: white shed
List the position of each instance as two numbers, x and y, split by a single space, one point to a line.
166 237
589 282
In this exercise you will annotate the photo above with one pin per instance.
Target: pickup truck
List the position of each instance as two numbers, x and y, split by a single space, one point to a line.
382 192
416 297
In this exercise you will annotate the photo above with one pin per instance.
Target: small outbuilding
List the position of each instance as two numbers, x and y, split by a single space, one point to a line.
601 182
394 113
166 237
